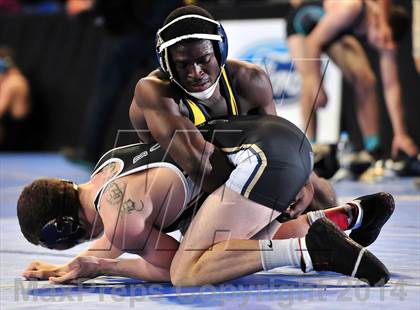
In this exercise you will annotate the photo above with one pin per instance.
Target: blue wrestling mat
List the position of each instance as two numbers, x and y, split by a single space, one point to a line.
398 247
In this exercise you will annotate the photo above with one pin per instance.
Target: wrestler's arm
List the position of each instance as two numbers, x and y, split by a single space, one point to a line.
255 85
392 93
139 123
324 194
182 140
153 263
125 223
101 248
322 197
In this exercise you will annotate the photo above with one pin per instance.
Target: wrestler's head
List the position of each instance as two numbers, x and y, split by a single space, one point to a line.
192 49
50 214
399 22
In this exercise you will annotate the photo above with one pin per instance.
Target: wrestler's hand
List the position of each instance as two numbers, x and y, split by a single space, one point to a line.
81 267
293 211
40 270
404 143
302 201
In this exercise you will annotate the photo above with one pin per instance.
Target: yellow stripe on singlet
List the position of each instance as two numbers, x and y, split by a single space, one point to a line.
199 117
231 95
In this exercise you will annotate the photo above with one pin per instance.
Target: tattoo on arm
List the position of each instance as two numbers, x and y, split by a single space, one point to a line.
116 192
110 170
130 206
110 167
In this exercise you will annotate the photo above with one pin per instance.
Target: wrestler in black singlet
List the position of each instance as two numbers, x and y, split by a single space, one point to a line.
272 160
272 157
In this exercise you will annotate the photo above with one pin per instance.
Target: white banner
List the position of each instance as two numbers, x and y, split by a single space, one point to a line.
264 42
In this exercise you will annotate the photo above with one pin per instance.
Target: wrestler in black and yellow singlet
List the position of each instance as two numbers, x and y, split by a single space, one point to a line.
272 160
272 157
198 113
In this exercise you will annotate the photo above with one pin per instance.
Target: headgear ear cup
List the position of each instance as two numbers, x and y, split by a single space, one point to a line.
64 231
159 53
223 46
61 233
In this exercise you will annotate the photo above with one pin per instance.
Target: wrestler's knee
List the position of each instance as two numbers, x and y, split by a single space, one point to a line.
182 275
181 271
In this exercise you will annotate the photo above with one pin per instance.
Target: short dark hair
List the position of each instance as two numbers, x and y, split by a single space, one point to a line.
42 201
190 25
399 22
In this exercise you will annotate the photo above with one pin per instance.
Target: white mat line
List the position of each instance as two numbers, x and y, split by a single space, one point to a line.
35 253
354 286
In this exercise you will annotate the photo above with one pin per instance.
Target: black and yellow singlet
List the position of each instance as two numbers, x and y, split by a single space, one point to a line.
198 113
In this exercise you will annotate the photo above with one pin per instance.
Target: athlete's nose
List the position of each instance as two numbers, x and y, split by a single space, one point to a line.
195 71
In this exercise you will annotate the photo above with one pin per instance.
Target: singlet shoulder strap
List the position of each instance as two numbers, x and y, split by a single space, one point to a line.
197 114
228 91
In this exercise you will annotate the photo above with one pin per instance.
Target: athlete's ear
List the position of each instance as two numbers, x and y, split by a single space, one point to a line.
299 205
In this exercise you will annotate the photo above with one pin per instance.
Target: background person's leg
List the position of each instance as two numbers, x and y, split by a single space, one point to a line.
297 51
350 57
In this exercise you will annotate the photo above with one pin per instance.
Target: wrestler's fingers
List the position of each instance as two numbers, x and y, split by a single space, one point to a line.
37 274
34 265
297 208
68 276
293 211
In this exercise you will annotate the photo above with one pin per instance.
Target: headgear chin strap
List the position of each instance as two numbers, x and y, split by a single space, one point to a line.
205 94
162 46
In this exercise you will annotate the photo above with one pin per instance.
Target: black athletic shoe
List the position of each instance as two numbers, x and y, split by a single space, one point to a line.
332 250
377 209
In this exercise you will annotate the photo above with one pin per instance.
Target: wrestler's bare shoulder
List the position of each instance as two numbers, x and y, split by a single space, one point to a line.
248 76
154 85
240 67
155 79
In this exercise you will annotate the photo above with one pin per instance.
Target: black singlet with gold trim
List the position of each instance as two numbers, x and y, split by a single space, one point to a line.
272 157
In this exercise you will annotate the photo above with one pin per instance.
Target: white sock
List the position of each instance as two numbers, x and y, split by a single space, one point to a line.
315 215
285 252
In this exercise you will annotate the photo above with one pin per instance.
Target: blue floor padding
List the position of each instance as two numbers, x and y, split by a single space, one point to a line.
398 247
